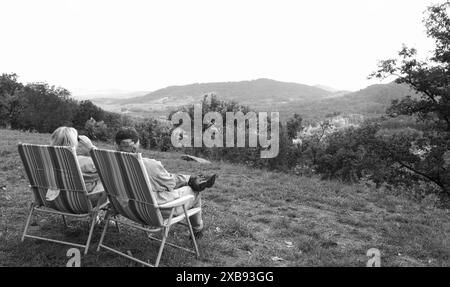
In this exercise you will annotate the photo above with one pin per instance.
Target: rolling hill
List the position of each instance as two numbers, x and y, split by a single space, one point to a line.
108 94
371 101
257 92
312 102
260 94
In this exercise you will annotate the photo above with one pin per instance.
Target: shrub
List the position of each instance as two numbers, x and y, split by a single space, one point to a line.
154 134
96 130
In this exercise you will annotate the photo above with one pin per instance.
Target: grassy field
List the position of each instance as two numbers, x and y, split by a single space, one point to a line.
252 218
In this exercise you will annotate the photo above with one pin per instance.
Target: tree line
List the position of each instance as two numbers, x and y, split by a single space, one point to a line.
42 108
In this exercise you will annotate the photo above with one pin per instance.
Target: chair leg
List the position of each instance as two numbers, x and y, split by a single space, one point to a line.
161 248
106 222
27 222
91 230
65 222
191 231
117 226
165 234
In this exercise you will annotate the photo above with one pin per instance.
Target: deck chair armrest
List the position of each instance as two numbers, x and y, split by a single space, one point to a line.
177 202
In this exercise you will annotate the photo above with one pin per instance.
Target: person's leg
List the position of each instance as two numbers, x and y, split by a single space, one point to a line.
181 180
196 219
198 183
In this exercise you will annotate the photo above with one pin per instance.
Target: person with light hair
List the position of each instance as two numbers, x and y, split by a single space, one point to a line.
167 186
68 136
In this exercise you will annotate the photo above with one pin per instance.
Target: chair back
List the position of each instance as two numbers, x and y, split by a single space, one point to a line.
127 185
55 168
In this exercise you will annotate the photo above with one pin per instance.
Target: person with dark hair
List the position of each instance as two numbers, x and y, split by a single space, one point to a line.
167 186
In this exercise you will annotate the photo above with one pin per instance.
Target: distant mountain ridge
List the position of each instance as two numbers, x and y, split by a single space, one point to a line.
260 94
371 101
108 95
264 95
258 91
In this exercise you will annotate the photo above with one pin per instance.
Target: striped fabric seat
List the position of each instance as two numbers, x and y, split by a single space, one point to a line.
56 168
128 188
126 182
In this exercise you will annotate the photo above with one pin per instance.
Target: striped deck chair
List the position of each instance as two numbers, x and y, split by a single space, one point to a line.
56 168
128 188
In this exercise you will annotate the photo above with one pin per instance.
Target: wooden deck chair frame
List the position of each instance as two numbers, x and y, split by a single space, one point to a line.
128 188
57 168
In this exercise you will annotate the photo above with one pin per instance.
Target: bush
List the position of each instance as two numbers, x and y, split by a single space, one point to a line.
96 130
85 111
154 134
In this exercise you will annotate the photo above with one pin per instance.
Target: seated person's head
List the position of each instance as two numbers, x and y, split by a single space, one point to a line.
127 139
64 136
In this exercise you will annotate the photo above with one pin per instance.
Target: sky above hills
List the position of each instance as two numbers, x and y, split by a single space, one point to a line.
91 46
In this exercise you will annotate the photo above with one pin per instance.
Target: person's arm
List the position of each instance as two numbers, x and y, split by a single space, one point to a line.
160 175
87 168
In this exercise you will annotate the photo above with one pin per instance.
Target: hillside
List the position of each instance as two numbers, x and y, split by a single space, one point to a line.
261 94
371 101
334 92
105 95
256 92
313 103
252 218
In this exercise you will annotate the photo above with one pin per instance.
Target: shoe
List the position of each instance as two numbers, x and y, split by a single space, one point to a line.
193 183
210 182
200 183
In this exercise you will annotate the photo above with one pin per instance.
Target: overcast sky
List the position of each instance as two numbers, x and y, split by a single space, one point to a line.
92 45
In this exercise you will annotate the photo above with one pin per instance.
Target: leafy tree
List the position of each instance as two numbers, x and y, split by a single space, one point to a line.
85 111
430 79
211 103
154 133
43 108
96 130
313 140
345 156
8 88
294 125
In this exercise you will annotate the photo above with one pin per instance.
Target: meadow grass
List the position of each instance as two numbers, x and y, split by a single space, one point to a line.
251 216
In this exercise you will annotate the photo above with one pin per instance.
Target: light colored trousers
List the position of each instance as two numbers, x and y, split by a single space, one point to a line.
182 189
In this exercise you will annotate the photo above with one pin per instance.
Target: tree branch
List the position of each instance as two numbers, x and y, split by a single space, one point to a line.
431 97
421 174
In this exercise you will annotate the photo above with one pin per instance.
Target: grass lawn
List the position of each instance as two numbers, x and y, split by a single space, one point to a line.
251 216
